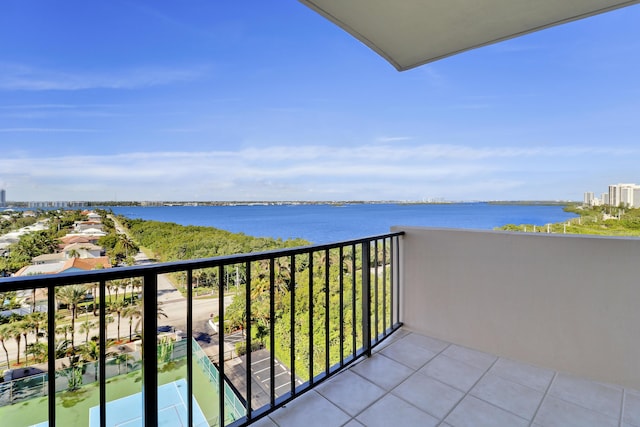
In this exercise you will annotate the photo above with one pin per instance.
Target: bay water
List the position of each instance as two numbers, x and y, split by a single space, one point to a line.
324 223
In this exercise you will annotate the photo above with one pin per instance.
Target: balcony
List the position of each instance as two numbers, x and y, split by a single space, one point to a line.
433 327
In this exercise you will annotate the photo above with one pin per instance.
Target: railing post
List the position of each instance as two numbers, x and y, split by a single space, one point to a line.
102 357
150 350
366 297
189 347
51 355
221 376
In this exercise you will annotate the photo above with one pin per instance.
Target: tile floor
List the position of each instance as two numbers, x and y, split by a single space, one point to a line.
414 380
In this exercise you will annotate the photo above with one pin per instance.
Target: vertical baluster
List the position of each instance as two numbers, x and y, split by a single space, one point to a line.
354 327
293 325
327 287
189 347
102 358
150 350
272 332
310 318
398 278
366 297
392 294
51 353
341 313
248 342
376 300
384 286
221 345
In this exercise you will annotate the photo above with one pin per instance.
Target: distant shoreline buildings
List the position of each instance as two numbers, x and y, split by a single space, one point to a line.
624 195
3 198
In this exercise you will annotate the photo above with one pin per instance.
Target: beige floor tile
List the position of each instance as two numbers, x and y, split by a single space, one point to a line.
603 398
395 412
350 392
396 336
631 411
556 412
471 357
408 354
473 412
265 422
428 394
513 397
382 371
429 343
522 373
310 410
452 372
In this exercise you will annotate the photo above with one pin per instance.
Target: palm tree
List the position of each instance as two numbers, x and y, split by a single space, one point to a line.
118 308
136 283
14 331
38 351
38 320
122 359
131 311
94 292
27 328
72 295
128 245
90 352
86 327
64 329
107 320
123 286
4 334
73 253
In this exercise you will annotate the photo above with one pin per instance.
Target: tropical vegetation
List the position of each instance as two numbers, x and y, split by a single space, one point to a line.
599 220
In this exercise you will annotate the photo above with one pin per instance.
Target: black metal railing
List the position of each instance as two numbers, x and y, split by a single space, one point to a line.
274 325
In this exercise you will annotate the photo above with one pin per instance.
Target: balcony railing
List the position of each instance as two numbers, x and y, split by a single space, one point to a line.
271 325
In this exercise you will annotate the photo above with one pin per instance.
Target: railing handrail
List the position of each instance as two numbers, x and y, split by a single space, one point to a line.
21 283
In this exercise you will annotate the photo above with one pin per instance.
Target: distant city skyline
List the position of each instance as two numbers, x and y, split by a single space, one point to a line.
254 100
617 195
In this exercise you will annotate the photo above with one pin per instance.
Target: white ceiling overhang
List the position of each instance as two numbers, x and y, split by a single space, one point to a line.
409 33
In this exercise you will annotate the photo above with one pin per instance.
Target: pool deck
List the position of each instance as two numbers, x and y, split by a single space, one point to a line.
415 380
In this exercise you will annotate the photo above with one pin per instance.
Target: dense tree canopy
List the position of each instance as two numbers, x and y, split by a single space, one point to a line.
172 242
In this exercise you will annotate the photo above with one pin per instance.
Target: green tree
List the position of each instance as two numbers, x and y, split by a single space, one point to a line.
14 330
72 295
117 307
4 335
38 321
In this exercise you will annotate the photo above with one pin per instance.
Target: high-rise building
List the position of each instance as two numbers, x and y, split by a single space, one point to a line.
3 198
623 195
604 198
588 198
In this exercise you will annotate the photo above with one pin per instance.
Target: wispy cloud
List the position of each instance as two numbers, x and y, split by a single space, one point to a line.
387 139
25 78
43 130
279 172
433 76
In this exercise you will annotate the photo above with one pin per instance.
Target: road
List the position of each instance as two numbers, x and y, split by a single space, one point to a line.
174 305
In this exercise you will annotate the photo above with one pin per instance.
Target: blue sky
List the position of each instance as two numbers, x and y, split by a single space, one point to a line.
265 100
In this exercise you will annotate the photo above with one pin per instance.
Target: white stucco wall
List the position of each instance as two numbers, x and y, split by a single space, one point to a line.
570 303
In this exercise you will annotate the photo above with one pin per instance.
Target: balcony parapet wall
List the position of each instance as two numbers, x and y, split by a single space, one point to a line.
566 302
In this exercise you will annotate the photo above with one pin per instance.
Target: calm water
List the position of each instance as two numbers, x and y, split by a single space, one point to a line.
325 223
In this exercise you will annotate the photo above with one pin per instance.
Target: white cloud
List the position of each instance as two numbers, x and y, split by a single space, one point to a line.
309 172
386 139
24 78
47 130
